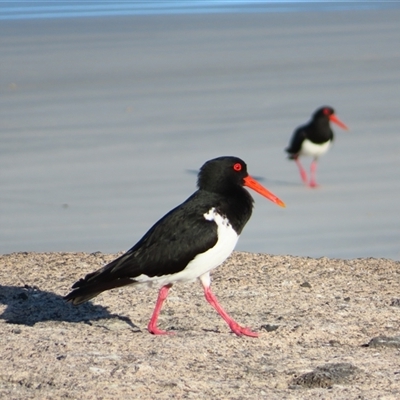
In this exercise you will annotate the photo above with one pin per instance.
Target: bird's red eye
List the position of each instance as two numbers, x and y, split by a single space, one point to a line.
237 167
326 111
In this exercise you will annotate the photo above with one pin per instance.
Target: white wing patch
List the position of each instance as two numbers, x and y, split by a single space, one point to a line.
203 262
309 148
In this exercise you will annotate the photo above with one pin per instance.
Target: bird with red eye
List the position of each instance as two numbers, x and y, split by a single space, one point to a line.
187 243
237 167
314 140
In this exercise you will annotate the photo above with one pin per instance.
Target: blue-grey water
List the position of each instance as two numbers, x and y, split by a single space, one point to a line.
67 9
103 121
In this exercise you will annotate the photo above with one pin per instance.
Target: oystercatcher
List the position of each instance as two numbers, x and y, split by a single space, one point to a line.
187 243
313 139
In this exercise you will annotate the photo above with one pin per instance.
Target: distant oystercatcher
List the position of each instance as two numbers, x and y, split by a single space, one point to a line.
313 139
187 243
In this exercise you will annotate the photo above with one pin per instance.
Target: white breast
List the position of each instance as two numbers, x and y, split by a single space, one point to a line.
309 148
203 262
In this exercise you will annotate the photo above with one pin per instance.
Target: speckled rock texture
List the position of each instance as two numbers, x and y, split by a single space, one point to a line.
329 329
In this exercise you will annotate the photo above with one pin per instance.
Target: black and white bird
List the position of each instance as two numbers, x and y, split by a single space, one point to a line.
187 243
313 139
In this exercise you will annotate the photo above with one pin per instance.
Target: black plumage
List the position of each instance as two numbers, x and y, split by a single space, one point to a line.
165 254
313 139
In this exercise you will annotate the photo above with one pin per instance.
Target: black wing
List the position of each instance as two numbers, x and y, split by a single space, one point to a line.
297 140
172 242
166 248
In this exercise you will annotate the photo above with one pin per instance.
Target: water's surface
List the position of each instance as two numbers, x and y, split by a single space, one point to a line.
63 9
103 120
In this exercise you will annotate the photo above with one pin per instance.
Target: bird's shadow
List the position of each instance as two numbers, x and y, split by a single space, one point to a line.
28 305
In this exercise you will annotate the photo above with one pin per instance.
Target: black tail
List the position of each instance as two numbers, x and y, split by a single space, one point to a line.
87 290
108 277
117 273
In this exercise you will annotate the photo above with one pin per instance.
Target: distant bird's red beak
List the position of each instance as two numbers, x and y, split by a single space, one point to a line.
253 184
337 121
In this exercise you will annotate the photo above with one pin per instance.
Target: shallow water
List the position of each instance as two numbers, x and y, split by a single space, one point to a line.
79 9
104 120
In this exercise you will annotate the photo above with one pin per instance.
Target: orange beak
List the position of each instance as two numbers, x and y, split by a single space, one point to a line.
337 121
253 184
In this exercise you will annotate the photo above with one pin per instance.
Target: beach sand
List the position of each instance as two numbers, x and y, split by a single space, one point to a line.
318 320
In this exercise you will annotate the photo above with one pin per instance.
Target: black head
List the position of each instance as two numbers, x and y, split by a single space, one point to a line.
222 173
227 175
323 112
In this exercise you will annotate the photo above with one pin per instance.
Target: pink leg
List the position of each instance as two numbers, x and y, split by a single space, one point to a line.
313 169
152 327
210 297
303 173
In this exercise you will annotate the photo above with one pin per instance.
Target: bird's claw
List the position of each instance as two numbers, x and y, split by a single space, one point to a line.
156 331
240 331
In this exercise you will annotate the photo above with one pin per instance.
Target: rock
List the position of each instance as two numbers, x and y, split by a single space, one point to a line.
384 341
326 376
269 327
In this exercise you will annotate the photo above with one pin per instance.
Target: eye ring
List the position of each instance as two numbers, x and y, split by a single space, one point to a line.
237 167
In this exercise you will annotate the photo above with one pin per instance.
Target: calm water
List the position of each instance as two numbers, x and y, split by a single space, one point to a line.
100 119
62 9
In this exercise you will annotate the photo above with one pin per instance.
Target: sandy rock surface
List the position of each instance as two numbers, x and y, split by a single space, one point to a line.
329 329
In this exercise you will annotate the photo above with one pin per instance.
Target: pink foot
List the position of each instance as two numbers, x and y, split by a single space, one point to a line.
152 326
240 330
304 178
313 182
210 297
303 173
155 331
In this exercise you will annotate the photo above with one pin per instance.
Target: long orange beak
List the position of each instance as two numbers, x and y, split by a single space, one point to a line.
337 121
253 184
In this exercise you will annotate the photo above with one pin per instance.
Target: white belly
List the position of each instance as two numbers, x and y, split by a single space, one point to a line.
203 262
309 148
